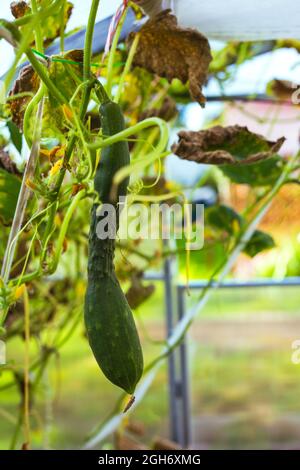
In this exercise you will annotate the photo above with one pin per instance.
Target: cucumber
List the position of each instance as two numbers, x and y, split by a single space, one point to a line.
109 321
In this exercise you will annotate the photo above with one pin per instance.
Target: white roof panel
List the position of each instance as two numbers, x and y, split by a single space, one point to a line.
240 20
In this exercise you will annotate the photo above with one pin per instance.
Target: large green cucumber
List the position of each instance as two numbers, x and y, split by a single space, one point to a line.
109 321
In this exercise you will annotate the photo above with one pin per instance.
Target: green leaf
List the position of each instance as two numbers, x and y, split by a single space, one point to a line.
262 173
223 218
259 242
15 135
67 75
9 191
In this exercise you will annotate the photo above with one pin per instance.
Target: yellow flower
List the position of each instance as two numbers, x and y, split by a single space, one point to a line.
56 167
67 112
19 291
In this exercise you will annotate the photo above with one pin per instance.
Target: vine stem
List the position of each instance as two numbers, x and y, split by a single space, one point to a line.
40 15
182 327
87 54
42 72
26 369
141 163
37 30
64 228
10 32
23 196
150 122
111 58
89 40
28 111
127 67
83 108
62 27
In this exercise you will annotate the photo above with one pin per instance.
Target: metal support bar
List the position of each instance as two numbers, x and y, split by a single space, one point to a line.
287 282
174 415
183 374
183 393
179 399
179 381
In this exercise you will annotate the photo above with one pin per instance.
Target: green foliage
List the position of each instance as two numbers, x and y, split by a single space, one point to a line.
260 241
224 218
15 135
262 173
55 238
9 190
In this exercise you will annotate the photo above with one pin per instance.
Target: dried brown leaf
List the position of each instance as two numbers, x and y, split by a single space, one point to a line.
225 145
170 51
7 164
27 81
282 89
124 442
19 9
138 292
51 25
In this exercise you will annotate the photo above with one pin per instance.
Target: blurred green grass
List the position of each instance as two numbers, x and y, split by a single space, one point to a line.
240 391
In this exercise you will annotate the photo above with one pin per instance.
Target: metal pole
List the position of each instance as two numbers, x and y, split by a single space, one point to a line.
174 415
287 282
179 389
186 436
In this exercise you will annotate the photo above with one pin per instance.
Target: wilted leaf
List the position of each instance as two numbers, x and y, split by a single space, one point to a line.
51 24
6 163
9 190
282 89
138 292
19 9
259 242
66 76
170 51
27 81
223 218
125 442
225 145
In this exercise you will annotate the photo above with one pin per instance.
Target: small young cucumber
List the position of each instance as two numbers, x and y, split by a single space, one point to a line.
109 321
